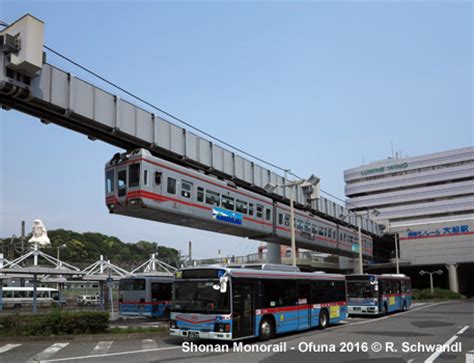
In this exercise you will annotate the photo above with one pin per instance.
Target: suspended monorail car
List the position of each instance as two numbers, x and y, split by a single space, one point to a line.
141 185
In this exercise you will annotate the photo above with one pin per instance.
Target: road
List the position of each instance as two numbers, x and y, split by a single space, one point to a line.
424 324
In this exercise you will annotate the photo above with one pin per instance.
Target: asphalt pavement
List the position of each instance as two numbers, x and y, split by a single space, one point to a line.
402 337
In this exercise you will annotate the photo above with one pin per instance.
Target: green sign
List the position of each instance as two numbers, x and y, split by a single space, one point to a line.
383 168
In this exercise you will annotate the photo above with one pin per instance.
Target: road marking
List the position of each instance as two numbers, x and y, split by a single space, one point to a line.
470 356
462 330
149 344
435 355
48 352
8 347
114 354
101 347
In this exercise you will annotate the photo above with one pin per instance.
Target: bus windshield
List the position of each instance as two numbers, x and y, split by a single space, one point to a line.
361 289
200 297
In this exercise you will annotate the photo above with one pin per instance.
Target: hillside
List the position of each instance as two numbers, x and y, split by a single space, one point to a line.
82 249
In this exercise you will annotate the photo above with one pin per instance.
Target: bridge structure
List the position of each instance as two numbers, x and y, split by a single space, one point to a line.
30 85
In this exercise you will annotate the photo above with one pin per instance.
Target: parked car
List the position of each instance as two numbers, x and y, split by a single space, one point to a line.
88 300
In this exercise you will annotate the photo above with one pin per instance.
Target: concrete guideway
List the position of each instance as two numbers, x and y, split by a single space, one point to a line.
425 324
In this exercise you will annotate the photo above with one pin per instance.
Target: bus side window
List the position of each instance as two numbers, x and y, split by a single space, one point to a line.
171 189
200 194
158 177
259 211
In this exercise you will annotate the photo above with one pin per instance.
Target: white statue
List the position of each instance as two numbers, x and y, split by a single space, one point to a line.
40 234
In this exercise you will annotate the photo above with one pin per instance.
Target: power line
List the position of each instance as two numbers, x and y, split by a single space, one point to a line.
88 70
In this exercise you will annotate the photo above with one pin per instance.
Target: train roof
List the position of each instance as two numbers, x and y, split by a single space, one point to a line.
266 274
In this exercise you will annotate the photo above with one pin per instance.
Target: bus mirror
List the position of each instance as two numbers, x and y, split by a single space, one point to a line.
223 282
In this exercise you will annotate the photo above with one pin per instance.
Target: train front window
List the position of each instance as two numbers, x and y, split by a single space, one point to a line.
171 186
122 183
134 175
109 181
158 177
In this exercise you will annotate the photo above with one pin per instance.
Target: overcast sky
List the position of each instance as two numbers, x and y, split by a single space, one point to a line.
316 87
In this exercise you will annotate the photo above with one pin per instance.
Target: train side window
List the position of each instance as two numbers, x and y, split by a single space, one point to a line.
329 234
145 177
122 183
307 227
212 198
134 175
228 202
268 214
158 176
109 183
259 211
171 188
186 189
299 224
314 229
200 194
280 218
241 206
251 209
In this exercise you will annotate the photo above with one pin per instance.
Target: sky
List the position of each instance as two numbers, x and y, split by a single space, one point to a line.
315 87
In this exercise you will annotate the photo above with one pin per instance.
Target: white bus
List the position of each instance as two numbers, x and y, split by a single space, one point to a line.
19 297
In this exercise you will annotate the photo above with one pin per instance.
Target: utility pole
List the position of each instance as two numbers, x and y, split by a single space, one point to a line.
190 251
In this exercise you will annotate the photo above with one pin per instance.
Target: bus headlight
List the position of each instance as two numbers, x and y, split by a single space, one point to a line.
173 324
222 328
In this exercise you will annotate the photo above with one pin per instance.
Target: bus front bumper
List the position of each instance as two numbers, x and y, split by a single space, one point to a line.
370 310
194 334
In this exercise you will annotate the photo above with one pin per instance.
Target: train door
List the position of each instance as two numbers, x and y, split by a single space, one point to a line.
243 309
304 307
122 182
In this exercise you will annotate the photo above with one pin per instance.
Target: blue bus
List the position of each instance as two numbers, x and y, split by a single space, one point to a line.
234 303
378 294
145 295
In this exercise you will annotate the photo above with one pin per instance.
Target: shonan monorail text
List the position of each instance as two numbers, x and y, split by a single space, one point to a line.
238 303
143 186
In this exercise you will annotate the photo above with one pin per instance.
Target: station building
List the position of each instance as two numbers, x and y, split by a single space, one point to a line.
427 203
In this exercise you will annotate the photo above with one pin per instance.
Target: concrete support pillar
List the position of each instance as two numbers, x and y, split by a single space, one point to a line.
273 253
453 277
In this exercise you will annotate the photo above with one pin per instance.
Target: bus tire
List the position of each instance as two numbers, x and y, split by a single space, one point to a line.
267 329
323 319
384 309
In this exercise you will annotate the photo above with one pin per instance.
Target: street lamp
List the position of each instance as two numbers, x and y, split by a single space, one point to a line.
376 213
310 189
438 272
359 232
57 249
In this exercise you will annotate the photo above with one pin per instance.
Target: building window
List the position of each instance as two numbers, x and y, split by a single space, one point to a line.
171 189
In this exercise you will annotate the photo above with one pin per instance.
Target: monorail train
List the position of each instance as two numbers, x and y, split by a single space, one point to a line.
141 185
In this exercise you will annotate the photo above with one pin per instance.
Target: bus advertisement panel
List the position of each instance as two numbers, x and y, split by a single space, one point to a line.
237 303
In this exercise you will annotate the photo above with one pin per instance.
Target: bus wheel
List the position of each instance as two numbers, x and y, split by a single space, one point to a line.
266 329
323 319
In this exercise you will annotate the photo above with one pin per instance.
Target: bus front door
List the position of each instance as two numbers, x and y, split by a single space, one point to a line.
304 307
243 317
